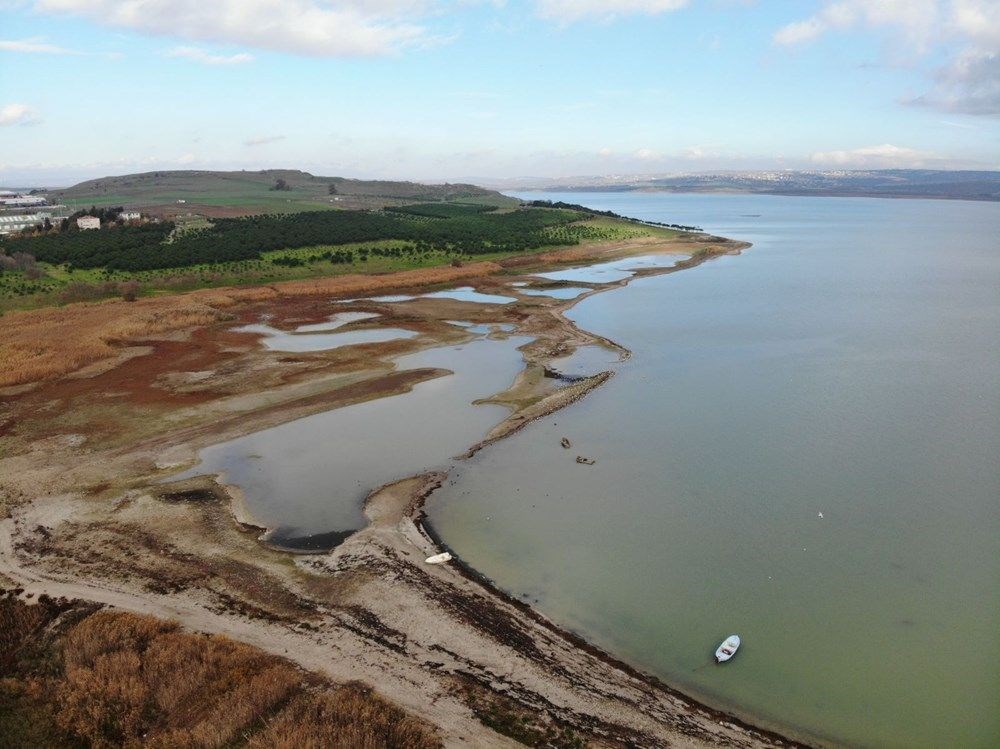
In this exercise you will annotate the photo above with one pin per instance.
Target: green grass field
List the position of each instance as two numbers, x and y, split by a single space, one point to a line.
254 191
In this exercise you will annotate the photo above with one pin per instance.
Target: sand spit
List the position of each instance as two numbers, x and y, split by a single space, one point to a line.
88 518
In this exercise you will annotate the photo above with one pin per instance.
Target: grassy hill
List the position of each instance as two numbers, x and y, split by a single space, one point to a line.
229 194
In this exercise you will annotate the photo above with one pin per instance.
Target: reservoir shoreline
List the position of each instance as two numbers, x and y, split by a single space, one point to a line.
368 609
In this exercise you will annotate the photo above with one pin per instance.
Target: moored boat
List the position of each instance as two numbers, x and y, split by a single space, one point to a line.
727 649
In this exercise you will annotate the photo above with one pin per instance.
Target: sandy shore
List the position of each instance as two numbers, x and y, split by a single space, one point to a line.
88 518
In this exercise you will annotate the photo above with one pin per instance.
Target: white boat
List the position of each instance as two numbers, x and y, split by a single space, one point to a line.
727 649
439 558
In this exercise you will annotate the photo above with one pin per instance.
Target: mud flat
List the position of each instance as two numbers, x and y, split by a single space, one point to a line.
94 512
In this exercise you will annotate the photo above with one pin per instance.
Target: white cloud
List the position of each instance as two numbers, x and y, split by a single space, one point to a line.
799 31
970 85
885 156
917 19
979 20
263 140
18 114
968 30
648 154
568 11
319 28
36 45
199 55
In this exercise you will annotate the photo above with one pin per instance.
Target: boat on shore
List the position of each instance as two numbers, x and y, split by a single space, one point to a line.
438 558
727 649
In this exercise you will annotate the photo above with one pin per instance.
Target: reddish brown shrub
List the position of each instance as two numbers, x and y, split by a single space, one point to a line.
132 680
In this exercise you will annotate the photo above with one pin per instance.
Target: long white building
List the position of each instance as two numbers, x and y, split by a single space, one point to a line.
15 222
22 201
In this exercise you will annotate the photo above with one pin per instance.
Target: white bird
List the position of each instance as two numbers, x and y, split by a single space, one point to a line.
821 514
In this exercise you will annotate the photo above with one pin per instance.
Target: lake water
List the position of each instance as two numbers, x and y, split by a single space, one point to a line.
469 294
559 292
313 338
308 479
614 270
802 449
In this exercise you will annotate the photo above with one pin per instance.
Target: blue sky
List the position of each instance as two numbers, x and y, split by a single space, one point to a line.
480 89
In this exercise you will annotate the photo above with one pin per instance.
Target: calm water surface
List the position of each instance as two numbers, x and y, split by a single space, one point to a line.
560 292
469 294
846 365
308 479
614 270
309 338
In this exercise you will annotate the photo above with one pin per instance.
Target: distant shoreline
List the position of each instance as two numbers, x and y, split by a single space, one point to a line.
775 193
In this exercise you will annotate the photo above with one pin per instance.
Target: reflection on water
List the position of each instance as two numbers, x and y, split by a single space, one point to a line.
308 478
846 365
338 320
469 294
615 270
384 298
298 342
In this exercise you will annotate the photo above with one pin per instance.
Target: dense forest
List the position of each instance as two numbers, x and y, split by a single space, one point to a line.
441 210
452 228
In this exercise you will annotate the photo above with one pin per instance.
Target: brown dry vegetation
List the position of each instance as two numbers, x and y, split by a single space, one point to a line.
117 679
47 343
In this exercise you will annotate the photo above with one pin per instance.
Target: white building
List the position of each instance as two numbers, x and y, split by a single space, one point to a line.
16 222
88 222
130 215
22 201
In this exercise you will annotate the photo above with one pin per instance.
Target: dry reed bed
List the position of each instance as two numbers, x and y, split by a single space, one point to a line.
118 679
47 343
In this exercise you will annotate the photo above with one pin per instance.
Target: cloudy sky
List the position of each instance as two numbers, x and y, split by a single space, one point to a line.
478 89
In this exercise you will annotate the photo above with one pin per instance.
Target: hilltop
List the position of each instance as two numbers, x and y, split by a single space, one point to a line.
242 193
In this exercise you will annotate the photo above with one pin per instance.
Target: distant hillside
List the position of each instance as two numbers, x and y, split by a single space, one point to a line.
220 194
888 183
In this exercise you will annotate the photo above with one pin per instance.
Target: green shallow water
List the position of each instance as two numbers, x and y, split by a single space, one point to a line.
846 365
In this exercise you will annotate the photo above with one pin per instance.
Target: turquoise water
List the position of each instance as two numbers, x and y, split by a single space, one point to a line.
802 449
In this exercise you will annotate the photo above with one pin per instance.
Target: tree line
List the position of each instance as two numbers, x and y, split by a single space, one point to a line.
469 231
610 214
